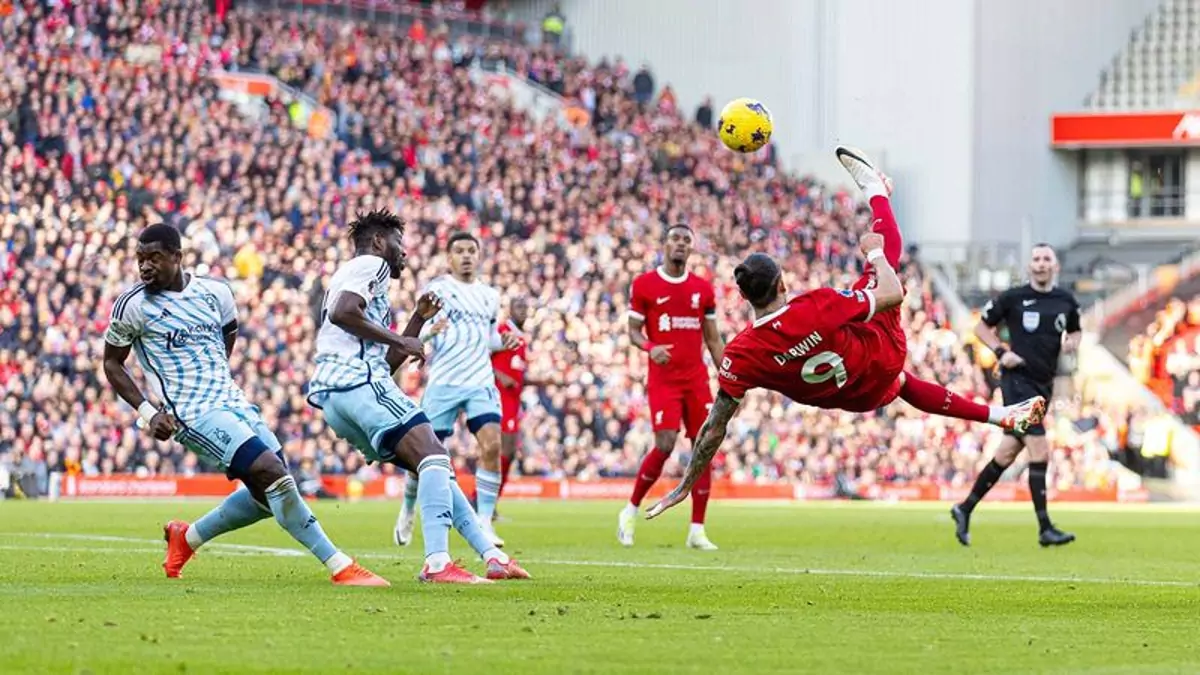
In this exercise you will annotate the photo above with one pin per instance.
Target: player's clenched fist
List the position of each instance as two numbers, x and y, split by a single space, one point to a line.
661 354
163 426
428 305
870 241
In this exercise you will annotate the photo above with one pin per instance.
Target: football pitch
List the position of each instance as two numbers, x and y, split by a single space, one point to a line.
832 588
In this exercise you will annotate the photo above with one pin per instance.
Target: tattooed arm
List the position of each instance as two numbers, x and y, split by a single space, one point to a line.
707 443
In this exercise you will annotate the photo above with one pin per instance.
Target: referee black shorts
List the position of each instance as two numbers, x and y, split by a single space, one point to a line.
1015 387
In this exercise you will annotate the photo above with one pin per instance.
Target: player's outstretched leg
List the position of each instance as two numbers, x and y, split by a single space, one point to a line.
877 187
935 399
263 471
697 538
466 521
239 510
405 522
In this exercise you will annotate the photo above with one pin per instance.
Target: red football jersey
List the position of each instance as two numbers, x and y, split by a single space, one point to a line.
511 362
674 309
821 349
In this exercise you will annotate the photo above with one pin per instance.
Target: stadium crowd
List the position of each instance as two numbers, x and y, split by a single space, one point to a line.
100 140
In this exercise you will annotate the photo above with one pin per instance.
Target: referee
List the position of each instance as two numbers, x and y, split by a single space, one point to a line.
1043 323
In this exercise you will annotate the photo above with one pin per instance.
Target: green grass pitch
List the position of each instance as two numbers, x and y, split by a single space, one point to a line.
854 588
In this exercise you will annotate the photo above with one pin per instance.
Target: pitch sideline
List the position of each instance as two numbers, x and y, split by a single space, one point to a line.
242 549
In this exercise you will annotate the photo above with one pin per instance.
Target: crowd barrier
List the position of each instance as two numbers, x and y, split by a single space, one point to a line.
392 487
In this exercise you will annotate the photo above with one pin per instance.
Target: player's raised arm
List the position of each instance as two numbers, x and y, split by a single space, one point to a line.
888 291
708 441
428 305
349 314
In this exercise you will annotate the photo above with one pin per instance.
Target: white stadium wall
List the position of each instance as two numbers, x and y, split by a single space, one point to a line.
1036 58
955 94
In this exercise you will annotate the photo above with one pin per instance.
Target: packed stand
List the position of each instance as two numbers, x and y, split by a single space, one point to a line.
97 147
1166 356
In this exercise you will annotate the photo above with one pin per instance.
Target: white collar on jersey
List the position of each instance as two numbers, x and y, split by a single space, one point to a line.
764 320
512 326
662 272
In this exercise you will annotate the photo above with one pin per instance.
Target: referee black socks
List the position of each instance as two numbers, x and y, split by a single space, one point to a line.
1037 490
983 483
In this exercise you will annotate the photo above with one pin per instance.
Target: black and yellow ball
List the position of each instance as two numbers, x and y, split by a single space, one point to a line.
745 125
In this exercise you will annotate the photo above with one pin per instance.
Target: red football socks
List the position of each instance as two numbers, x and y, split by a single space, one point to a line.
700 491
648 472
935 399
505 465
885 224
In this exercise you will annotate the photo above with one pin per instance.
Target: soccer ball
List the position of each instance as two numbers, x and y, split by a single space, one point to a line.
745 125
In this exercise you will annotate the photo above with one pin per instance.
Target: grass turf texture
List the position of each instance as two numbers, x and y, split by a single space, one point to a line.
859 588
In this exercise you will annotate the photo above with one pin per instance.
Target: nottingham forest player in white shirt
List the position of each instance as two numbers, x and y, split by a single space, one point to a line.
183 328
461 377
357 352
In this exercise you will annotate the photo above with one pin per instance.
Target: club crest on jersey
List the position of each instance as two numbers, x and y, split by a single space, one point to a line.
211 301
1030 321
1060 323
845 292
695 301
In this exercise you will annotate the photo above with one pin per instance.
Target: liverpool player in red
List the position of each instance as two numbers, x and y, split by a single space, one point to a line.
833 348
511 380
678 312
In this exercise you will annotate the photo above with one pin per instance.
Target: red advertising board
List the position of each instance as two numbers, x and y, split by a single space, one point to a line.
1125 129
392 487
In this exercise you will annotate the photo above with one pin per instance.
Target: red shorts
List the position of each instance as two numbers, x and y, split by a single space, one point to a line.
888 355
673 404
510 412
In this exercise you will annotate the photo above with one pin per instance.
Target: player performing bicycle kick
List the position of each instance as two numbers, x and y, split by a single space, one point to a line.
834 349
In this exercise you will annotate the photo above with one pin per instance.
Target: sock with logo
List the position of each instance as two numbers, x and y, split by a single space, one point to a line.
983 484
487 491
648 473
237 511
436 502
885 224
1037 491
935 399
293 515
467 522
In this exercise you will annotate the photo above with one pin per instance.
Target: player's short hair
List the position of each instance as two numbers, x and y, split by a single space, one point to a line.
462 236
1042 244
161 233
367 225
678 226
758 279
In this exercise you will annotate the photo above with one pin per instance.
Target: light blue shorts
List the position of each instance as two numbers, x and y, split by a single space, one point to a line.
217 435
442 403
372 417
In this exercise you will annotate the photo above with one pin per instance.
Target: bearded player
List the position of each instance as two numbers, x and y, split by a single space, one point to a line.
672 317
829 348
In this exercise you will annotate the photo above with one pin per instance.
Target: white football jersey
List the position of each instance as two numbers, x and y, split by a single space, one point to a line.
179 341
462 353
344 361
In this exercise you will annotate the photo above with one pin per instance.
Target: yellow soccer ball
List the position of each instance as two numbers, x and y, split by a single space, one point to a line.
745 125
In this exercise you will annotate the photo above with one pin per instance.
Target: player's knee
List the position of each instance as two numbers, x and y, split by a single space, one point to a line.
253 462
1039 449
665 441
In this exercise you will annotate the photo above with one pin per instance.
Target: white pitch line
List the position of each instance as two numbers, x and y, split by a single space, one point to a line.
242 549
